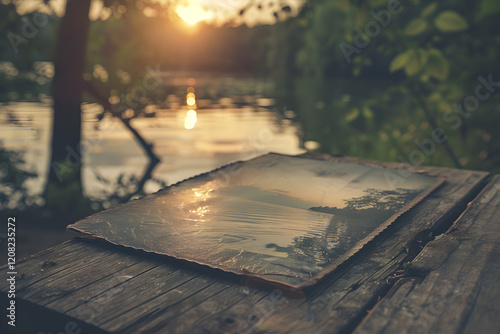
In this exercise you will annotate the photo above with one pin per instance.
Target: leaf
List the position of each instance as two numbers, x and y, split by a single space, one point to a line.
415 27
422 56
413 65
399 61
352 115
367 113
437 65
429 9
450 21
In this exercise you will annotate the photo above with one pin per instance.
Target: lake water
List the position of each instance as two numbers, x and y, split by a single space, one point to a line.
188 143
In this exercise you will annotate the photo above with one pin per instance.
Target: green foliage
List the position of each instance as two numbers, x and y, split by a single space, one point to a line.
415 27
428 10
13 177
430 62
21 45
415 62
352 115
400 61
437 64
402 83
450 21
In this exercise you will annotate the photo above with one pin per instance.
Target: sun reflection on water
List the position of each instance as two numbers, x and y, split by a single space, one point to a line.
191 100
191 118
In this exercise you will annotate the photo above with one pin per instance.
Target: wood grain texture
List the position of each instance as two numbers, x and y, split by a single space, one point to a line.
457 289
125 291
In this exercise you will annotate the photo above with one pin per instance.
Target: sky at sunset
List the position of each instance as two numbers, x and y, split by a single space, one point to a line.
191 11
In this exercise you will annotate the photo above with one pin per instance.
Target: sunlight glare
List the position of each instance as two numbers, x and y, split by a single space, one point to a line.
193 13
190 120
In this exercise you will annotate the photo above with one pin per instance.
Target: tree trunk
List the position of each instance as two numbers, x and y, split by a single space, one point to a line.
64 178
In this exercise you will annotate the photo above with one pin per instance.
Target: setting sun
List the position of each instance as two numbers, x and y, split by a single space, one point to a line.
193 13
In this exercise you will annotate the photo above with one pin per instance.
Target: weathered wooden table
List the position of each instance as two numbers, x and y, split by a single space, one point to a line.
435 270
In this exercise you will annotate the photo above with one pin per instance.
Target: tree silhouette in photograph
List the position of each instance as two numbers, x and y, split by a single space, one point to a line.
375 201
349 224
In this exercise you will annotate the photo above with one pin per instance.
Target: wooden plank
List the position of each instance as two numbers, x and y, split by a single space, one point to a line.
240 317
457 289
138 293
213 300
103 264
42 253
32 318
336 305
165 310
67 256
102 285
170 296
23 264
